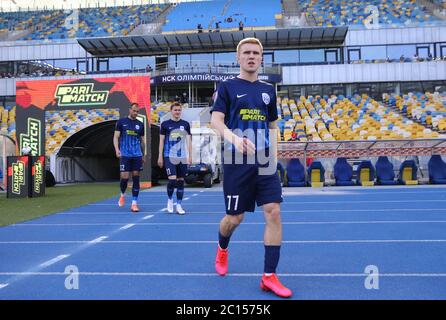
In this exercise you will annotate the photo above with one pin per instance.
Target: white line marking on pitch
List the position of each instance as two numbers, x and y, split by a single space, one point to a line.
159 274
97 240
3 285
185 199
217 223
53 261
215 241
127 226
305 202
195 194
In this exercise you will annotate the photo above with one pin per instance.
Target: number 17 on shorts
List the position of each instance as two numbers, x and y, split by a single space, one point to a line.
232 202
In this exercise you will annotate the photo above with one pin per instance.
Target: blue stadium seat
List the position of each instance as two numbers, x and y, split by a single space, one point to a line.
384 172
408 172
281 172
343 172
365 173
295 174
437 170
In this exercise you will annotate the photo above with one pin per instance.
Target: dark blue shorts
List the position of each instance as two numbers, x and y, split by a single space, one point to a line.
243 187
128 164
178 170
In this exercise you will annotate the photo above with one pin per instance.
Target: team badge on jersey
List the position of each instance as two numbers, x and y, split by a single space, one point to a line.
182 128
266 98
137 127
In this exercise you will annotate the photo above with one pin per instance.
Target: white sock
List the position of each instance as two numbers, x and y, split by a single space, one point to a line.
268 274
122 194
134 202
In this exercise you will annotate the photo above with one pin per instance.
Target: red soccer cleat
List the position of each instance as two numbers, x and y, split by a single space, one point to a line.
121 201
272 283
221 261
134 208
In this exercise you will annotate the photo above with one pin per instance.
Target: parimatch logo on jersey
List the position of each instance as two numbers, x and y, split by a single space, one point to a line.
18 176
252 114
80 94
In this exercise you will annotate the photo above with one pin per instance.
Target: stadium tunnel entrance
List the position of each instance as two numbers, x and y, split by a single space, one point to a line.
89 155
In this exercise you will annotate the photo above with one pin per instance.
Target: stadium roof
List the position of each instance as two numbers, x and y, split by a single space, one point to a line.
161 44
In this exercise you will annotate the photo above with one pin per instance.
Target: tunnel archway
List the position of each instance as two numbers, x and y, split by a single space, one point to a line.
89 155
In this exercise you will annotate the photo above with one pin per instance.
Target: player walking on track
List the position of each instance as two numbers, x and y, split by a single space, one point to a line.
243 112
129 143
175 154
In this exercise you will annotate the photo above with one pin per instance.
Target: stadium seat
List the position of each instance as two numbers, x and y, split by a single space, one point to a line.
365 173
343 172
281 172
437 170
316 172
384 172
408 173
295 174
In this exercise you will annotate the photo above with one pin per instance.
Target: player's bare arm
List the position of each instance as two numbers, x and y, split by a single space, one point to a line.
143 148
116 143
161 150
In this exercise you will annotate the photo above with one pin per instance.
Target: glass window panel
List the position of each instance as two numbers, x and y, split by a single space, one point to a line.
227 59
65 64
373 53
286 56
120 63
312 55
396 52
143 62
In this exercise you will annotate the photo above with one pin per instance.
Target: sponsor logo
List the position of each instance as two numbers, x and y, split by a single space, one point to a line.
80 94
252 114
38 176
32 138
18 176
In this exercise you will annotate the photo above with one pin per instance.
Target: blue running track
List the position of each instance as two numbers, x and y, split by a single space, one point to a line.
330 237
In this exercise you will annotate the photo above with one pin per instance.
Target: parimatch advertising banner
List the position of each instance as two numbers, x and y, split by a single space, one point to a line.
51 111
37 183
18 177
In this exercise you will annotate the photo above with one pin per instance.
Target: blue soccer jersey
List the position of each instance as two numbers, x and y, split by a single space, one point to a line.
130 138
247 105
175 133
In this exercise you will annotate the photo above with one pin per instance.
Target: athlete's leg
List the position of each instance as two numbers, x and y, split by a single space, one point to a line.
135 186
136 169
273 227
172 182
272 236
124 179
269 196
227 226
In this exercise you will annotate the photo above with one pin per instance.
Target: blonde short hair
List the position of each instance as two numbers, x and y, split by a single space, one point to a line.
249 40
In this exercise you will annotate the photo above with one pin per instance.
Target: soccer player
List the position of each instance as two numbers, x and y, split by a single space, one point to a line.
175 154
129 143
245 104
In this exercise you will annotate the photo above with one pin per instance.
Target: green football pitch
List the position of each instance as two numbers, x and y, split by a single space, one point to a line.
56 199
